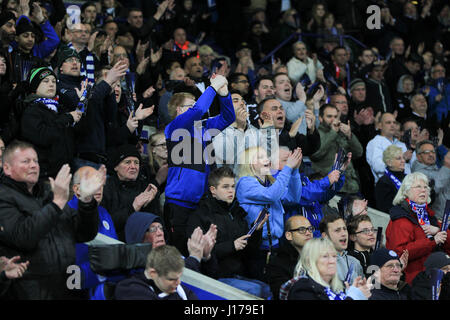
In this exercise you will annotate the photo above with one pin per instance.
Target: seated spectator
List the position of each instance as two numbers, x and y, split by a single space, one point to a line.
422 284
376 147
300 66
257 189
362 236
335 135
378 92
281 266
143 227
388 185
413 226
38 225
316 276
45 124
334 229
161 279
438 94
126 191
402 98
390 268
419 113
439 177
233 243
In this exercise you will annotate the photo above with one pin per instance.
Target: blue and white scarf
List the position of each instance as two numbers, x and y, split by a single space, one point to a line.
334 296
393 178
49 103
87 67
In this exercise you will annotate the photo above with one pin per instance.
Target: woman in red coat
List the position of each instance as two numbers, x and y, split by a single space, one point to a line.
413 226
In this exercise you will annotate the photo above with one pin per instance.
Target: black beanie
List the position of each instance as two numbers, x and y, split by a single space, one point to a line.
24 26
6 16
65 54
124 151
37 75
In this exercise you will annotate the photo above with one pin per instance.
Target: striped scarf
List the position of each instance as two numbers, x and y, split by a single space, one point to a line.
87 66
52 104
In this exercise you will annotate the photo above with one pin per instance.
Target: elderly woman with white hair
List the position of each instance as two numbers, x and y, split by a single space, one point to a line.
316 276
413 226
394 173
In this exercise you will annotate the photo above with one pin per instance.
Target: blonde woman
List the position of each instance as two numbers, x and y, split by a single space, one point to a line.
316 276
257 189
413 226
390 182
157 158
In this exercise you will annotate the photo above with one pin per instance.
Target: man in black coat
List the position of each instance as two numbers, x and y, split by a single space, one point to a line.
68 68
298 231
37 225
126 191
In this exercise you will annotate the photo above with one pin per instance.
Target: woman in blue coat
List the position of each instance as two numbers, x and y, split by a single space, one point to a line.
257 189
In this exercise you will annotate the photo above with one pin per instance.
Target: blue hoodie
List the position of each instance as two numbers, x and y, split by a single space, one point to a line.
188 181
253 197
137 225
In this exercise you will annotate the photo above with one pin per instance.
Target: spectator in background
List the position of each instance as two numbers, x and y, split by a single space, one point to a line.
378 92
438 93
376 147
403 95
240 82
303 68
413 226
263 88
79 42
340 101
333 136
394 173
281 266
7 28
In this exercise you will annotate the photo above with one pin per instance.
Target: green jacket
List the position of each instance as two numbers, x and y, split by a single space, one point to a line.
323 159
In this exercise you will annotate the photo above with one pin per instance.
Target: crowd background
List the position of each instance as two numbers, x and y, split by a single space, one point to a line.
123 74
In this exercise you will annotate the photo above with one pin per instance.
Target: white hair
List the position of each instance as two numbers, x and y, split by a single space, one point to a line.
408 181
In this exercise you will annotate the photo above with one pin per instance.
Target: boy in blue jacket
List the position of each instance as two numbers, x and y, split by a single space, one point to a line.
187 178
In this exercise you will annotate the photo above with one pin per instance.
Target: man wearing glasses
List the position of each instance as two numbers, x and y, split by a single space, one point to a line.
363 237
438 92
388 285
80 34
426 163
298 230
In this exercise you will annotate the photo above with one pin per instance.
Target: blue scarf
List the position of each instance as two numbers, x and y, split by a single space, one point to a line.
421 211
393 178
334 296
50 103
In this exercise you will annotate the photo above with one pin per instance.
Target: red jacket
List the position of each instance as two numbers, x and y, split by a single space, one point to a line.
405 233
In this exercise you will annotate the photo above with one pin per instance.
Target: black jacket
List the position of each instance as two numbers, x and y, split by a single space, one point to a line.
118 197
35 229
309 143
362 256
385 191
384 293
52 134
306 288
231 224
281 267
138 287
66 88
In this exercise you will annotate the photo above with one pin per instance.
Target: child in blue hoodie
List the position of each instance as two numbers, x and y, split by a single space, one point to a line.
257 189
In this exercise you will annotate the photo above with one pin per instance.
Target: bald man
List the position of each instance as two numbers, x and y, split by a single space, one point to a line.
298 231
376 146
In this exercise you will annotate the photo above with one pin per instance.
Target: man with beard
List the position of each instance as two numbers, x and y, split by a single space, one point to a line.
7 28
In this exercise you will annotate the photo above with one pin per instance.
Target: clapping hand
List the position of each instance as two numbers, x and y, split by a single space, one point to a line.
220 84
295 159
91 182
13 270
61 185
142 114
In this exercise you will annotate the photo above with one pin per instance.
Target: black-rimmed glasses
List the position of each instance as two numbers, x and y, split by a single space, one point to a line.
302 230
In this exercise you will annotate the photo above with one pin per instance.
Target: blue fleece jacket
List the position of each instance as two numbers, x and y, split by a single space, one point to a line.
45 48
253 197
187 179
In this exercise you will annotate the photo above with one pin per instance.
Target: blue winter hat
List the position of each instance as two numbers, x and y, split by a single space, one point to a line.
383 255
137 224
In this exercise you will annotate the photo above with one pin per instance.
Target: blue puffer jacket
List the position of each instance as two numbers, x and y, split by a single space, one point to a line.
441 108
314 193
253 197
187 179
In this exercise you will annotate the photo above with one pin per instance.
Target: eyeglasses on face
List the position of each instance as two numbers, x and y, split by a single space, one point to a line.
163 145
392 266
421 187
155 228
367 231
302 230
427 151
